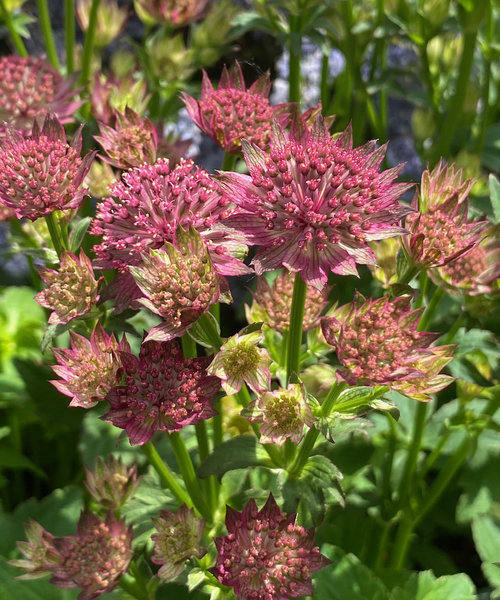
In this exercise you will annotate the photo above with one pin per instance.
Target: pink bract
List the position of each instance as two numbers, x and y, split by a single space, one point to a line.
314 203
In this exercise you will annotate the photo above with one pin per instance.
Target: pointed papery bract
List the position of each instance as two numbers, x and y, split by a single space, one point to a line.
314 203
233 113
146 208
40 553
266 555
131 142
442 184
239 361
377 343
178 539
179 284
96 557
112 92
111 483
42 173
161 391
176 13
32 88
283 414
88 370
72 289
272 303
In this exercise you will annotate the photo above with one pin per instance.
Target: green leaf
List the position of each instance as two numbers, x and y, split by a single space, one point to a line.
77 233
486 533
40 589
494 186
206 331
238 453
11 459
425 586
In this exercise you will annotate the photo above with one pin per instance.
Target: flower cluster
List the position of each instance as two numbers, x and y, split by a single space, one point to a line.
111 483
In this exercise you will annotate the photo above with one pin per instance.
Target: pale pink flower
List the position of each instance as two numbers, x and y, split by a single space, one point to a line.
112 92
377 343
314 203
40 555
441 185
161 391
233 113
88 370
111 483
42 173
176 13
266 555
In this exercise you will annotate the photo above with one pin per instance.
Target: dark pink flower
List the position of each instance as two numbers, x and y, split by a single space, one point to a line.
96 557
31 89
266 555
314 203
161 391
232 113
88 369
377 343
148 205
42 173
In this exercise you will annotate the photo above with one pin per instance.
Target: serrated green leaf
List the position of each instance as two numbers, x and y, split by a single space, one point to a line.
237 453
425 586
486 533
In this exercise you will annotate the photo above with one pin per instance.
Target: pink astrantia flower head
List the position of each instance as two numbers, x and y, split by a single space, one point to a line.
232 113
96 557
112 92
441 185
161 391
88 370
42 173
178 539
377 343
40 553
272 303
314 203
31 88
146 208
266 555
72 289
176 13
179 283
474 273
131 142
111 483
239 361
283 414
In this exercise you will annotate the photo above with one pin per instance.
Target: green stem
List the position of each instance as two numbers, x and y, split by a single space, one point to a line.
427 75
188 346
55 233
295 49
69 34
413 452
423 285
324 88
210 484
485 92
188 474
428 315
217 431
295 331
166 476
229 161
16 38
133 588
88 45
48 34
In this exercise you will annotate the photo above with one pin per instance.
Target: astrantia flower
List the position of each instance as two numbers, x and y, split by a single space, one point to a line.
42 173
178 539
131 141
240 361
149 204
72 289
283 414
176 13
161 391
179 284
314 203
266 555
88 369
441 185
110 20
112 92
96 557
377 343
31 88
272 303
111 483
40 553
232 113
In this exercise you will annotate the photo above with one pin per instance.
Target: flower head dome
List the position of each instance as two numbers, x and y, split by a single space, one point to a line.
314 203
146 207
42 173
266 555
232 113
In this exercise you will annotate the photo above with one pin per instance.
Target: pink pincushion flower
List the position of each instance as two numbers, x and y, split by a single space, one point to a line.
31 88
149 204
42 173
178 539
314 203
441 185
131 141
88 370
72 289
96 557
266 555
161 391
232 113
176 13
377 343
179 284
